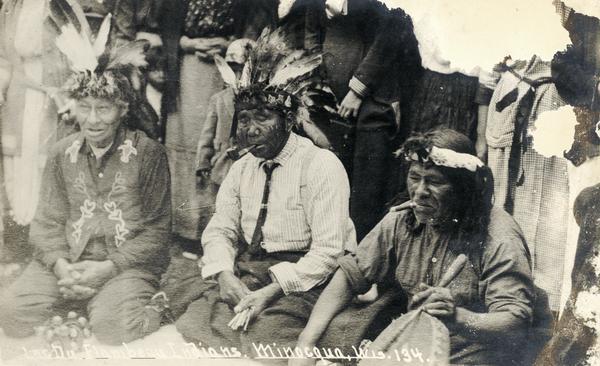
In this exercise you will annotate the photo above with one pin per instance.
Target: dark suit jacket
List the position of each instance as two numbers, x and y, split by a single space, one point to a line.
371 43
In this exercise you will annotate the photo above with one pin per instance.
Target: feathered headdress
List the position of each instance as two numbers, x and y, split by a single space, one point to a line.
97 70
278 77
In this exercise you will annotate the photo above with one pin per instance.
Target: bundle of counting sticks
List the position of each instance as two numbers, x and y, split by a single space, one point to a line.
240 320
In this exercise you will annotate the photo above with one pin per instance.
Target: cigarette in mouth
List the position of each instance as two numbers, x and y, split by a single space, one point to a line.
405 206
235 154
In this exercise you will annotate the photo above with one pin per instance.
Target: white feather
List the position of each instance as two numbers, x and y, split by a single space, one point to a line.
284 8
77 48
246 75
294 70
226 72
102 38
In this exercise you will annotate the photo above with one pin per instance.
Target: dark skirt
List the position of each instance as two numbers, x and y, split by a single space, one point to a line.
443 100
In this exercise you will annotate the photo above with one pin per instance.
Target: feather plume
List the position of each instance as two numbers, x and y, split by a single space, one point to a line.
131 54
284 8
63 12
246 77
226 72
77 48
102 38
294 70
315 134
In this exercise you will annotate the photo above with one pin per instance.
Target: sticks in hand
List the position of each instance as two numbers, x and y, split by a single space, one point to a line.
240 320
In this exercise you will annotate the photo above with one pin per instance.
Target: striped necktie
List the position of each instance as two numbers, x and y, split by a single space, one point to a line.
255 248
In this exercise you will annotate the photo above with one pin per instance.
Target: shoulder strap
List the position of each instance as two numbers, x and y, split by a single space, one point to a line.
308 158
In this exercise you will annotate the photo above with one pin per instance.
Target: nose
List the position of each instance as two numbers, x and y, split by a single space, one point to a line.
253 131
92 117
422 189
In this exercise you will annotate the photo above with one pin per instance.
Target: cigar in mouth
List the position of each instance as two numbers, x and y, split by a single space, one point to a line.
235 154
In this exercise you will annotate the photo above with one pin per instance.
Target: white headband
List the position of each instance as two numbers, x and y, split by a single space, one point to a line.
448 158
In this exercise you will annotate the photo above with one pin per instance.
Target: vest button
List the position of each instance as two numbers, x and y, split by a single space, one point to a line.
100 175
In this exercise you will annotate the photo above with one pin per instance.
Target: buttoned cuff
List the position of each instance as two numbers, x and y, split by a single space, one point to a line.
285 275
357 281
358 87
213 268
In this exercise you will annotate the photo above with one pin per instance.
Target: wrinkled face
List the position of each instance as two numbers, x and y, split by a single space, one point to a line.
264 128
99 119
431 192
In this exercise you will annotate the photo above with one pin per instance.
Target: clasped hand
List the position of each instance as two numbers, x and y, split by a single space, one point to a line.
436 301
81 280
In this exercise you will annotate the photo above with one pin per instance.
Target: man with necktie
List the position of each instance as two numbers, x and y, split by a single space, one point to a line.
281 221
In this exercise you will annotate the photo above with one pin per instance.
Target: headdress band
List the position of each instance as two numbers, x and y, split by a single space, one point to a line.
442 157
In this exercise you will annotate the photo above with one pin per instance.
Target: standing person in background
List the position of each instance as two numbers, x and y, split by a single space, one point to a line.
531 187
31 71
123 24
363 44
575 73
209 26
212 161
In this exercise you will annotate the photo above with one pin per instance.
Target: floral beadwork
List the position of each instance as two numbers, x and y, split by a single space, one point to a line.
115 214
73 151
87 212
127 150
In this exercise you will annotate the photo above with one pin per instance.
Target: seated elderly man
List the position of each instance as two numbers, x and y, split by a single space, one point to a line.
100 232
281 222
488 304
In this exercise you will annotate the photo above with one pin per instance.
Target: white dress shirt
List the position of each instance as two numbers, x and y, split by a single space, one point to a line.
305 214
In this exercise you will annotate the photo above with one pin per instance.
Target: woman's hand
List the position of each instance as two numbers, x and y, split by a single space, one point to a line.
436 301
350 105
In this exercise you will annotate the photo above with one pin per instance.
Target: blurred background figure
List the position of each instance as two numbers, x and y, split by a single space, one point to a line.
31 71
531 187
207 28
212 161
575 73
123 24
370 54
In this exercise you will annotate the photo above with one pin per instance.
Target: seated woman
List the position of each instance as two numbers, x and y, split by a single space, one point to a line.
488 306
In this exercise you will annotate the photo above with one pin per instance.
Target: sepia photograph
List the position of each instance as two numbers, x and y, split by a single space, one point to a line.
300 182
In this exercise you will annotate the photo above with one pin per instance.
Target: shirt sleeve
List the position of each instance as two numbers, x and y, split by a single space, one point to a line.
394 43
506 276
47 232
222 234
149 248
374 261
328 193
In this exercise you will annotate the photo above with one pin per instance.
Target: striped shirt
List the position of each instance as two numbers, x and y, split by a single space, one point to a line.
307 212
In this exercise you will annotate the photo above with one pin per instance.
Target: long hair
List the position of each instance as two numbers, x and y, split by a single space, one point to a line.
473 190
